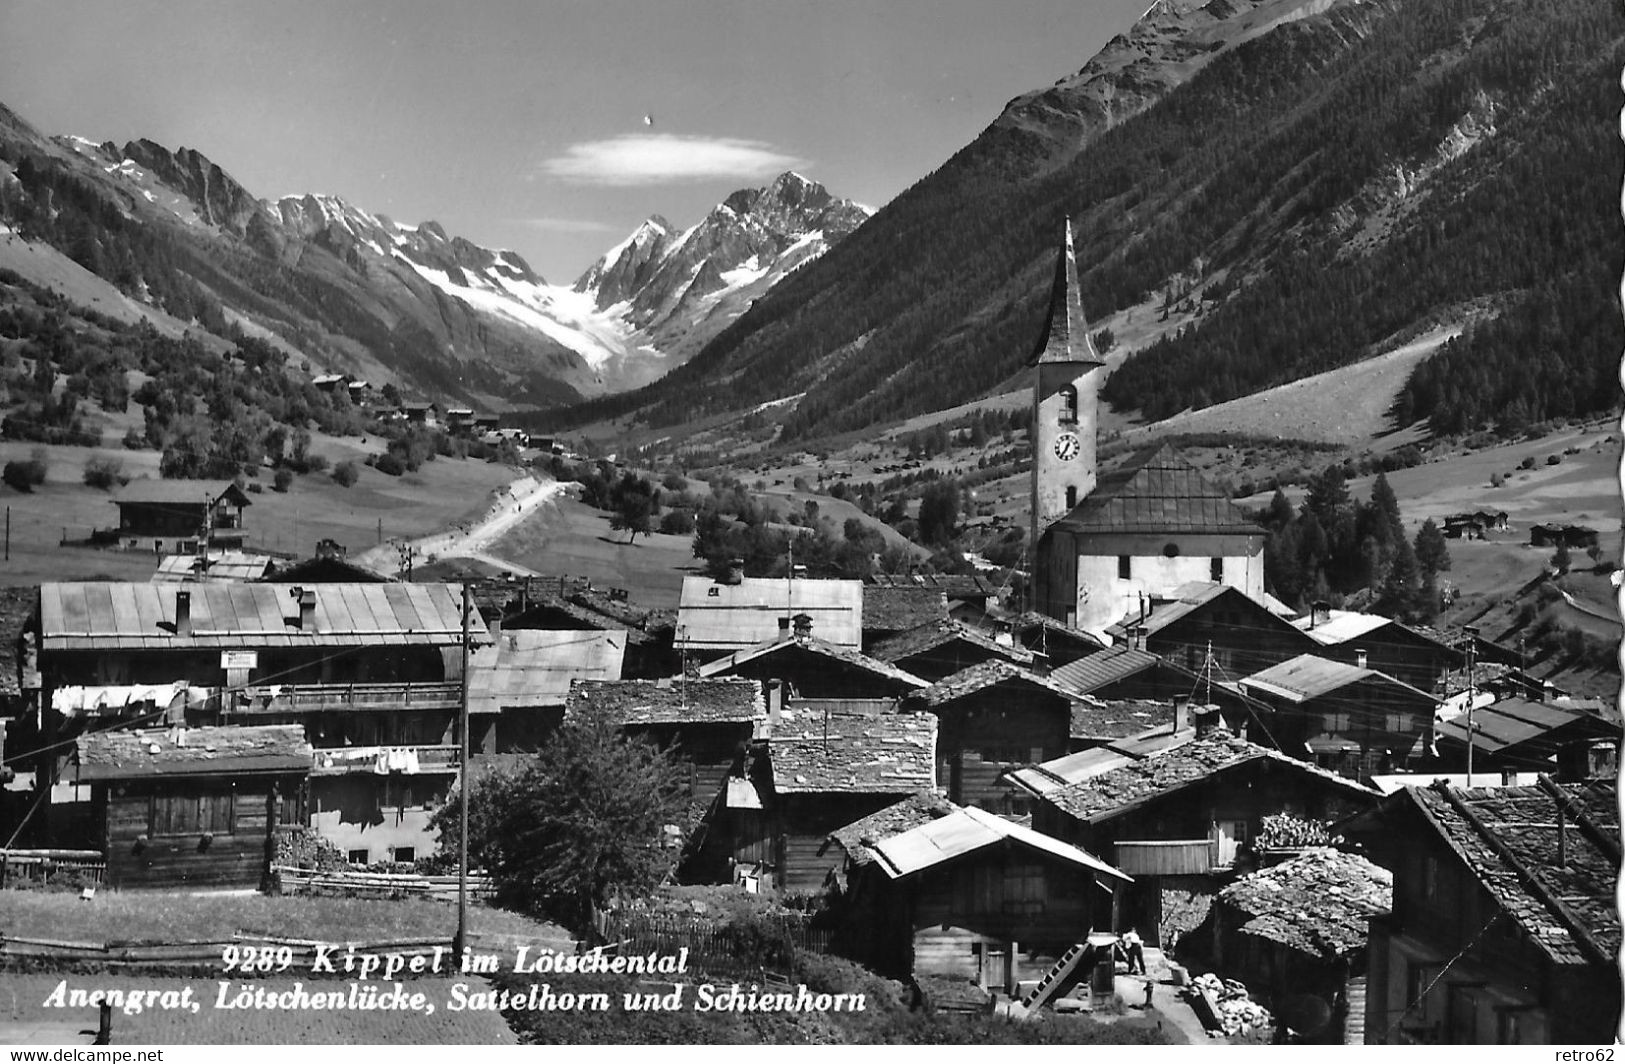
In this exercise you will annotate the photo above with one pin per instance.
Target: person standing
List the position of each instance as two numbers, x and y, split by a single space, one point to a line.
1134 946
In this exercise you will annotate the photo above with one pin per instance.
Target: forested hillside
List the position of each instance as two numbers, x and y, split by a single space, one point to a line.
1310 194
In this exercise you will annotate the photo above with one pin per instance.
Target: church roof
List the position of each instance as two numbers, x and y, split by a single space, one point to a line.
1158 492
1066 330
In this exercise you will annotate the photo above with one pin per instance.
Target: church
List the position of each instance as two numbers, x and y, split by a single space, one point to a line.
1109 545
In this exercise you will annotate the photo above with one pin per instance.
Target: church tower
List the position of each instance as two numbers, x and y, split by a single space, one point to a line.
1064 402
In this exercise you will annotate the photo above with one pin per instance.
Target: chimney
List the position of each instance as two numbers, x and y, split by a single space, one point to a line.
1182 712
1360 659
1562 836
803 626
1604 760
495 626
183 612
1319 613
784 627
307 608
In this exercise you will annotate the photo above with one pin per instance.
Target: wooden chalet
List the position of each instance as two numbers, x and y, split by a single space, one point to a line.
962 590
192 807
942 648
1505 928
817 772
706 724
716 618
425 414
1574 537
1300 928
564 607
964 894
1524 735
1180 816
1350 719
1380 643
890 609
1240 633
371 671
994 716
1126 673
1052 642
523 679
174 516
814 668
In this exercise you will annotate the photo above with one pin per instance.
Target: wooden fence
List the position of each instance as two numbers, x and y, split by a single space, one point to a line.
712 945
292 880
41 866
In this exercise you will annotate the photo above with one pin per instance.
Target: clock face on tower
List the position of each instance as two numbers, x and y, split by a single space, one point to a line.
1067 446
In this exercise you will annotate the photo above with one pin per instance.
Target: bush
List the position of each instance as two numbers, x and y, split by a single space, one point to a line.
104 472
24 475
1553 459
135 440
282 479
346 473
389 463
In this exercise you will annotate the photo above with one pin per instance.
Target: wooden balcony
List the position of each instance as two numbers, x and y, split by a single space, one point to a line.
346 698
384 760
1166 857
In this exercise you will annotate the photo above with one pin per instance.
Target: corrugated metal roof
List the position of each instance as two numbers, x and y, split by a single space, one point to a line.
713 616
1512 722
966 830
530 667
1101 668
114 616
224 567
1157 491
1340 627
213 751
1039 780
1306 676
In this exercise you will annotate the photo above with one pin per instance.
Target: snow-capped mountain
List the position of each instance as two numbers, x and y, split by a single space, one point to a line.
358 292
678 288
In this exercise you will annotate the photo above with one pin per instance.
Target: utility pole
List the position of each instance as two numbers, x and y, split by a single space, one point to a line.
461 941
1472 695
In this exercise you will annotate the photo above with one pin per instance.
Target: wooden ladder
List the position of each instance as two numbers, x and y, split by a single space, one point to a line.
1052 978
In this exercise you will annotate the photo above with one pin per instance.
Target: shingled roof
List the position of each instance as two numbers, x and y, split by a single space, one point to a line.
979 677
1095 718
1125 787
230 750
1102 668
728 700
1508 838
897 609
820 648
854 754
1157 492
1307 677
148 491
1319 902
930 636
953 585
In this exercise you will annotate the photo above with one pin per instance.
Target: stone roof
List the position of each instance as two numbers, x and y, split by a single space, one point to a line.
1157 492
897 609
1508 839
1117 791
820 648
728 700
953 585
911 812
854 754
1095 718
1318 903
937 633
987 674
228 750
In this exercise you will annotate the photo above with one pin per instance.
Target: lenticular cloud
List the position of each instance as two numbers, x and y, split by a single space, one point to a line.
660 158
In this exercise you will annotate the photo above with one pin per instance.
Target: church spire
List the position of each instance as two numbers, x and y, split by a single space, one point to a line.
1066 331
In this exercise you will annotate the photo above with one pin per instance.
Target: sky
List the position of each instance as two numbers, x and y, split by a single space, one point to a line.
551 127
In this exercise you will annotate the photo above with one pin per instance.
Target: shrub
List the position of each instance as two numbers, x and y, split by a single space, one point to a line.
1553 459
389 463
346 473
104 472
135 440
24 475
282 479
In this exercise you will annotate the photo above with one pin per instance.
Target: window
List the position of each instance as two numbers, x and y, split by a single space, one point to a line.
1462 1021
1397 722
1069 405
1336 722
403 854
1215 570
358 856
1071 496
1417 979
191 814
400 794
1024 889
1123 568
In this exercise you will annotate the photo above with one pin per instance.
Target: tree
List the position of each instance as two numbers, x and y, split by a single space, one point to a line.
585 818
346 474
104 472
939 511
633 513
1432 555
26 475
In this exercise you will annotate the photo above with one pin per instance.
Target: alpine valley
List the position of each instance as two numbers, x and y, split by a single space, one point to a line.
143 231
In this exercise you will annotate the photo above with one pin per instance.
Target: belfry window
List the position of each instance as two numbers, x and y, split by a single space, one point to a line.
1069 405
1071 497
